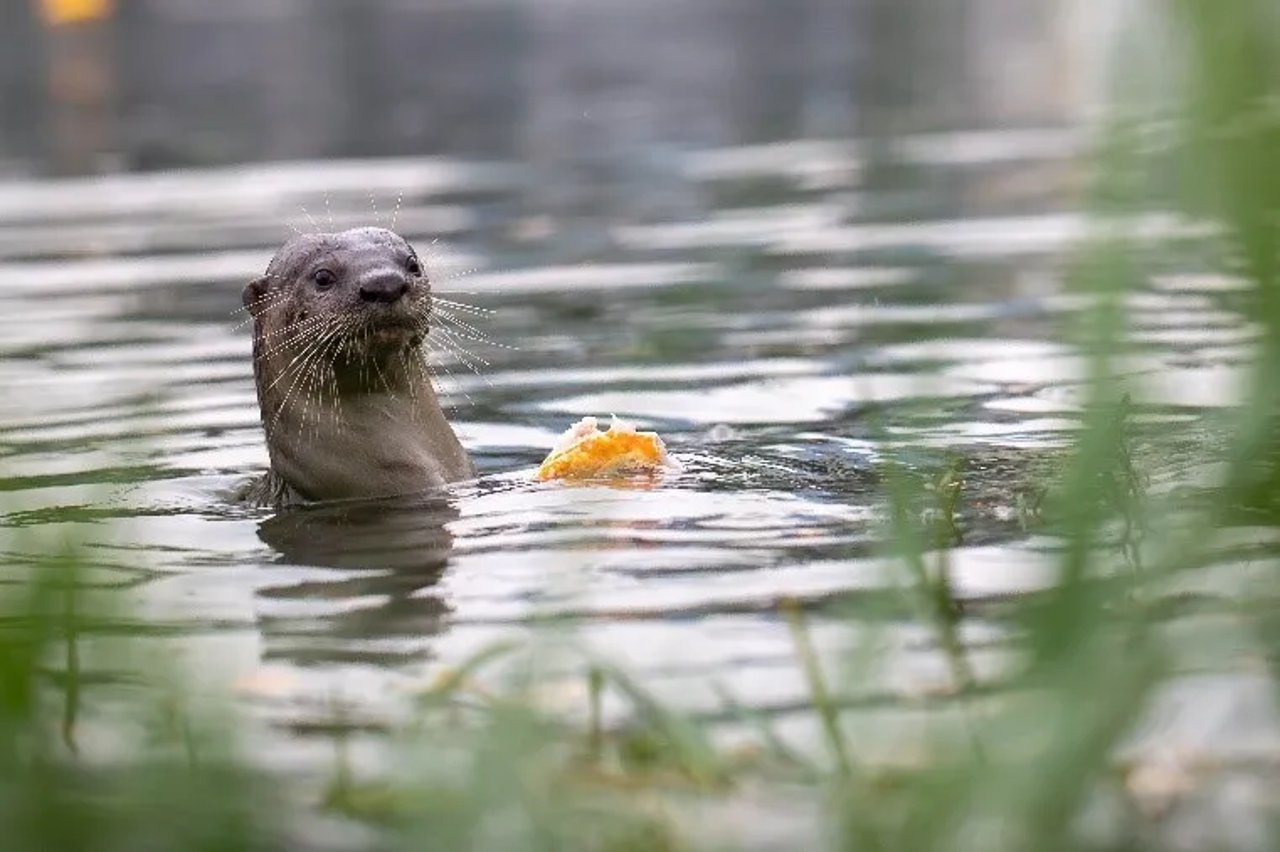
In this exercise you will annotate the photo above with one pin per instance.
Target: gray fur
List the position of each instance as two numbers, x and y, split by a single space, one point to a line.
347 404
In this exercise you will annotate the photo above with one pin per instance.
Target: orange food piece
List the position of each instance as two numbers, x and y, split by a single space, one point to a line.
584 451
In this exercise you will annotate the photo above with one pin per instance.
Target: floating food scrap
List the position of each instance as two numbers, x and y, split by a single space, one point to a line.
583 451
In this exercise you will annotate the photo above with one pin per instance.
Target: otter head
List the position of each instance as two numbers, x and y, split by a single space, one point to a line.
363 291
338 313
345 396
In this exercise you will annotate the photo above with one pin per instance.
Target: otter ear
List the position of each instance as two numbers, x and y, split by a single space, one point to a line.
255 295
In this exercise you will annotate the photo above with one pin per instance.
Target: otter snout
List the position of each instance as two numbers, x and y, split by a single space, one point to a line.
383 288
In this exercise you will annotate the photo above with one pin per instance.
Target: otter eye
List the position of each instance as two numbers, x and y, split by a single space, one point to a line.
324 278
414 266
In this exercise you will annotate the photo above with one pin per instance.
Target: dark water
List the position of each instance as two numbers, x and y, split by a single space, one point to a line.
778 340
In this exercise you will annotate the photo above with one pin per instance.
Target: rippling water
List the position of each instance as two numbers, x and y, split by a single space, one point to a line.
777 341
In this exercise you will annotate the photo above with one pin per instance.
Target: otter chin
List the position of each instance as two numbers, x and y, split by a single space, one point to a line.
346 398
392 336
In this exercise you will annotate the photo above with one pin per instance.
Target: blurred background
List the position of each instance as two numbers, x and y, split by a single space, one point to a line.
95 85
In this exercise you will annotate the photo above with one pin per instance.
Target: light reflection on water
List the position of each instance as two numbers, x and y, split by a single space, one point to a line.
802 328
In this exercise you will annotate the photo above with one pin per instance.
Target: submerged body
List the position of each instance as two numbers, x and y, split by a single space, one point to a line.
347 402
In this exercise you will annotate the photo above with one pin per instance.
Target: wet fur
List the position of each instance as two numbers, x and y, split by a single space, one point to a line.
346 398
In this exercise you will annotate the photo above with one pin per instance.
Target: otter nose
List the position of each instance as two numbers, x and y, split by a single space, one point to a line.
384 288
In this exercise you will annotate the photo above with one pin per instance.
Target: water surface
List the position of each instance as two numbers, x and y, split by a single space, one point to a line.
780 341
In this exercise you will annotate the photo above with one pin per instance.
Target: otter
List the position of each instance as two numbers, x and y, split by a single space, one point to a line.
345 395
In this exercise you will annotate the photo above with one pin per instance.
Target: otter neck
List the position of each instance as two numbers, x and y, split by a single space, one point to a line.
390 372
376 430
393 381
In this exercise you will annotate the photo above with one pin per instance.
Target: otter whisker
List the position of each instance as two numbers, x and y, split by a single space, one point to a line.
314 227
444 325
424 356
292 336
463 355
261 303
383 377
297 372
406 357
455 383
396 213
286 330
295 327
418 353
307 349
464 307
307 395
364 363
451 291
460 349
312 367
467 331
265 299
298 368
461 324
444 276
284 403
320 375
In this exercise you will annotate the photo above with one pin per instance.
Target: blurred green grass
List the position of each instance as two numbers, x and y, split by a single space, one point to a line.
502 771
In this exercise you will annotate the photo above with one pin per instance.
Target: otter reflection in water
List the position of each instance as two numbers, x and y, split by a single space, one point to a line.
390 553
344 390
